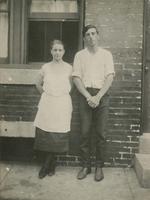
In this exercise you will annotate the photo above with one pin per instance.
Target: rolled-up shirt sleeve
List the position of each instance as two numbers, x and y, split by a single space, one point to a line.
77 67
109 64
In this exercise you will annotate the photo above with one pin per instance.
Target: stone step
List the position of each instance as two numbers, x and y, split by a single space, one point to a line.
144 143
142 169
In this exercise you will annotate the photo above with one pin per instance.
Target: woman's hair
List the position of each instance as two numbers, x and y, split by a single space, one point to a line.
56 42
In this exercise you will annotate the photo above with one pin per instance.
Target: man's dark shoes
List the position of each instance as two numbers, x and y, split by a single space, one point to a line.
51 173
99 174
83 173
43 172
52 168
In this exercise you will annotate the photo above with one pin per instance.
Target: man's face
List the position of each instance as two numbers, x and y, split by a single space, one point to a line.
91 37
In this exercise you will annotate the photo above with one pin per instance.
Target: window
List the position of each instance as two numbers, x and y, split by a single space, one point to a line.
53 19
54 6
3 31
28 26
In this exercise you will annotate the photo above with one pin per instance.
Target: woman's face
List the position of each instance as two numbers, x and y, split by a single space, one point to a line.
57 52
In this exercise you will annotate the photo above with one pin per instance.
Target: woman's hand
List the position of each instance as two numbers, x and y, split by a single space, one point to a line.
39 83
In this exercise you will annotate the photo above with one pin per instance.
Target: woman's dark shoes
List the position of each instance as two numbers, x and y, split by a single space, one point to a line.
43 172
83 173
99 174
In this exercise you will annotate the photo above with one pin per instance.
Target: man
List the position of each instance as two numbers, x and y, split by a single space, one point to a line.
93 73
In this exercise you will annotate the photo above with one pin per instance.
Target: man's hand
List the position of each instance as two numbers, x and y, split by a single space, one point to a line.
93 101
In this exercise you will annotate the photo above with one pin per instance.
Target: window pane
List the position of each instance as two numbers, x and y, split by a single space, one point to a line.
42 33
3 5
70 38
36 41
54 6
3 30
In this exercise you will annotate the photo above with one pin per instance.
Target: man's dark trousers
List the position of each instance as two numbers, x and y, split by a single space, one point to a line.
99 116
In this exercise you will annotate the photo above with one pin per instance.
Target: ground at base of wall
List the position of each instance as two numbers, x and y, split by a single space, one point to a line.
19 181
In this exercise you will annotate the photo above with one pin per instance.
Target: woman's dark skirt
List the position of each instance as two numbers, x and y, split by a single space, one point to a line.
51 142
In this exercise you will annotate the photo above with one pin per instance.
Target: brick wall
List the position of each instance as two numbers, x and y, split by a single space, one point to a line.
18 102
120 24
121 29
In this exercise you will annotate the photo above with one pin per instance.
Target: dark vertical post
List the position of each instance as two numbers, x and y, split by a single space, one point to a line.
81 22
18 31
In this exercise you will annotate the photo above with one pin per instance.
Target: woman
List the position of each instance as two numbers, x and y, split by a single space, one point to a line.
53 118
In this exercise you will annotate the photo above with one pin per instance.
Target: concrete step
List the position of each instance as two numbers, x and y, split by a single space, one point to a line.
142 169
144 143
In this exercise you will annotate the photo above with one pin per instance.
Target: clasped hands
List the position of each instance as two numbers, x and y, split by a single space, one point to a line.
93 101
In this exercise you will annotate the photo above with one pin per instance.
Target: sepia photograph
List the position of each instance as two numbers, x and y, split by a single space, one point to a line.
74 99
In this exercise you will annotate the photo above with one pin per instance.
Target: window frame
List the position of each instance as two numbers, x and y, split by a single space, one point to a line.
53 16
